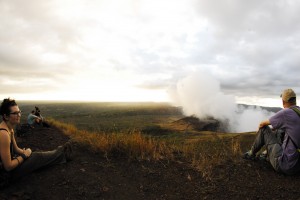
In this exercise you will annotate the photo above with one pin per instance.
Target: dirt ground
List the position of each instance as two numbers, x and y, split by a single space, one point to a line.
91 176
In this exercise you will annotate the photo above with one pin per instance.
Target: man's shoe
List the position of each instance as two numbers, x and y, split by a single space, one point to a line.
249 155
263 156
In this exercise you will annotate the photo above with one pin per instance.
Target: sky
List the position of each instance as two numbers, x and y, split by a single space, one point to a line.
136 50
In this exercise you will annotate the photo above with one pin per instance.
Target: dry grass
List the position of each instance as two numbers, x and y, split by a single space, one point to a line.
203 155
133 144
207 154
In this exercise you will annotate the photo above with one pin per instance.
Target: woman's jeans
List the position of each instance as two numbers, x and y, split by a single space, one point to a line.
39 160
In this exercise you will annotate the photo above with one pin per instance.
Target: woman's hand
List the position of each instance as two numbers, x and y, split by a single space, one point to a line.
27 152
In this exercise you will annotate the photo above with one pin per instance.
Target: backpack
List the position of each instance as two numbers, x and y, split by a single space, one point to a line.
298 113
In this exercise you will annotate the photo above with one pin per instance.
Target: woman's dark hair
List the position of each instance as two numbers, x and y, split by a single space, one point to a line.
5 106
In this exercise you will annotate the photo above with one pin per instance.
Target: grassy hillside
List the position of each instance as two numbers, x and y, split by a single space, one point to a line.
203 152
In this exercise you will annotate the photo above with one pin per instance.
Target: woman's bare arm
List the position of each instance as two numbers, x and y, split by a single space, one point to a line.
15 145
18 150
7 162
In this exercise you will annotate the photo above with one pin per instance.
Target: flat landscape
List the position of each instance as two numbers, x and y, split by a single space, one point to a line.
156 119
144 151
108 117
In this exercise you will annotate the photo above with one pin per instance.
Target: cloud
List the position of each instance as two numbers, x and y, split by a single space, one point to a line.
253 44
268 18
251 48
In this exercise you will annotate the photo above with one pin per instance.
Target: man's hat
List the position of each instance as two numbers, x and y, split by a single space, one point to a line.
287 95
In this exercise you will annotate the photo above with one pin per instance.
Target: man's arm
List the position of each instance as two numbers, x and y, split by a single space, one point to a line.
264 123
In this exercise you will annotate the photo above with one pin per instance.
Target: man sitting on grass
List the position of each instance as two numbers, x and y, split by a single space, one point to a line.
33 120
283 154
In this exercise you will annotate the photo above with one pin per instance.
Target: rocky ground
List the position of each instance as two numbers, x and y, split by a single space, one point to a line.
91 176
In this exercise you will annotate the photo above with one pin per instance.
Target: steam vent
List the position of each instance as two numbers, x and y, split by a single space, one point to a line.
194 123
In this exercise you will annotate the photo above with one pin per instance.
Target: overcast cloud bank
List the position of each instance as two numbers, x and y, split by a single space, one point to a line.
87 49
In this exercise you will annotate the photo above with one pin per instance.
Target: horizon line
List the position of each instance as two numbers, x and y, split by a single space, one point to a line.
91 101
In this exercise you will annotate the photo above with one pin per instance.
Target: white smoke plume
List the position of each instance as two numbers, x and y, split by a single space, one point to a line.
200 95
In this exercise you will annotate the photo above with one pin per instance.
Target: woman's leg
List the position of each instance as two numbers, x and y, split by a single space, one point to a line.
39 160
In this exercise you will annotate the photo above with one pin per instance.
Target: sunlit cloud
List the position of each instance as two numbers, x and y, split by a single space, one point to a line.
133 50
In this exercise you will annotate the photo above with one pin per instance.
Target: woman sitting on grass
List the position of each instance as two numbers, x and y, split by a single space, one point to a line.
16 162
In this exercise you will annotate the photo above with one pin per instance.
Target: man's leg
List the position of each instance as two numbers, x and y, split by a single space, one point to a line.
274 152
265 136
